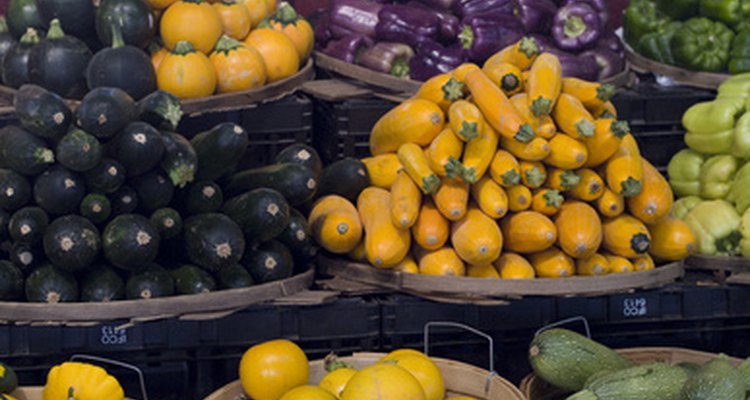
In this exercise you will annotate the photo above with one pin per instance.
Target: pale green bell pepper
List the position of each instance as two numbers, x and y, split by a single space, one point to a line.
715 224
717 175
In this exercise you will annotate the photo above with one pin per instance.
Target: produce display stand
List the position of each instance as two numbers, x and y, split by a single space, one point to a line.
396 88
215 103
536 389
680 76
469 289
460 379
225 300
722 267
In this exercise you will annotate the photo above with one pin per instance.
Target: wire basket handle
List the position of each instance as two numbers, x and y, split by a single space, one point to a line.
121 364
468 328
567 321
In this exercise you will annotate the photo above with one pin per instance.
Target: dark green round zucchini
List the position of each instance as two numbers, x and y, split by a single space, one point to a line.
295 182
59 191
126 67
22 15
138 147
204 197
213 241
11 281
130 241
8 380
189 279
26 255
271 261
23 152
136 22
234 277
76 16
102 284
96 207
6 39
160 109
301 154
154 190
72 243
261 213
104 111
15 71
4 221
42 112
15 190
58 63
28 225
124 200
49 284
78 151
346 178
219 150
150 282
179 161
297 236
168 221
105 177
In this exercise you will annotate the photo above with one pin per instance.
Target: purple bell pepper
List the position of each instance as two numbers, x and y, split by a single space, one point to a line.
449 24
388 58
576 27
465 8
322 31
438 4
599 5
349 48
611 41
535 15
582 67
403 24
358 16
482 37
433 59
544 42
339 32
609 62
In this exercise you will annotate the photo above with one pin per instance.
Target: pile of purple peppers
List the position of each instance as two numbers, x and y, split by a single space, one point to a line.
419 39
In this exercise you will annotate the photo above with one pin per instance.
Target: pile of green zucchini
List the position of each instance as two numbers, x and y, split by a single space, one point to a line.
109 202
592 371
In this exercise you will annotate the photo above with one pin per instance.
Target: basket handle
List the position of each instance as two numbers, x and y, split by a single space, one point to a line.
121 364
567 321
468 328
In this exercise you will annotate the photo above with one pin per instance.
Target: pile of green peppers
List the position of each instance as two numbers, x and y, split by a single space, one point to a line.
701 35
712 176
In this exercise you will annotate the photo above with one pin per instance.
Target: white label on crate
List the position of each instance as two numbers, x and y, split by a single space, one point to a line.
111 336
634 307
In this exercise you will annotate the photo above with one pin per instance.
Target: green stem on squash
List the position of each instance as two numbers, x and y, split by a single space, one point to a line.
117 40
286 14
3 24
183 47
70 393
55 30
227 44
30 37
264 23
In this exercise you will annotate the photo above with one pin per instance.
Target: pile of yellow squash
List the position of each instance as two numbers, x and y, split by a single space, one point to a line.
228 46
506 171
279 370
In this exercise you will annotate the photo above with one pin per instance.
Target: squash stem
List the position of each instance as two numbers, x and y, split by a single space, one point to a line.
30 37
181 175
55 30
3 24
466 37
117 40
286 14
227 44
183 47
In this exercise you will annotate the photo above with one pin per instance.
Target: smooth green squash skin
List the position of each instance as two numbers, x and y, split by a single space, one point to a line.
96 208
168 221
59 191
76 16
161 110
72 243
102 284
657 381
138 147
28 224
234 277
346 178
130 241
154 190
261 213
58 63
567 359
295 182
42 112
136 22
270 261
180 161
49 284
150 282
26 256
717 379
15 190
104 111
297 236
23 152
11 288
22 15
301 154
213 241
78 151
219 150
15 61
123 201
106 177
203 197
190 279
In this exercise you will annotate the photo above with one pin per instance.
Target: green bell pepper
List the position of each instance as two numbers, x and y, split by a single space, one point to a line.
656 45
642 17
713 116
735 86
684 171
717 175
678 9
730 12
710 143
715 225
702 45
682 207
741 139
739 60
740 192
744 230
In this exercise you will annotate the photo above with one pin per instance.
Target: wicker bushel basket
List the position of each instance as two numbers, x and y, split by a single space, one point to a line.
536 389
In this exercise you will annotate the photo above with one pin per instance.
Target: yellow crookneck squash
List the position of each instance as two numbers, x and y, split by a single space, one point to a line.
335 224
383 169
413 121
385 244
579 229
81 381
528 232
477 238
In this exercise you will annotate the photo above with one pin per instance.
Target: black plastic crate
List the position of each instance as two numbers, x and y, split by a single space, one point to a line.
271 126
660 143
651 104
342 129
